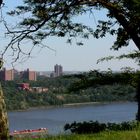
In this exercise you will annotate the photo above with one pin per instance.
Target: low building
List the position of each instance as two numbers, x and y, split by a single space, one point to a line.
23 86
38 89
26 86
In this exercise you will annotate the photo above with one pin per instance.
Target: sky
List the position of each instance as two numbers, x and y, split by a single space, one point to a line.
71 57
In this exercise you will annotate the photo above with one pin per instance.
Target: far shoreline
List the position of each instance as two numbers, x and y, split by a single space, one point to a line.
68 105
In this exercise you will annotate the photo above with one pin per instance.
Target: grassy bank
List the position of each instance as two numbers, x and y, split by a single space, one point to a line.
112 135
129 135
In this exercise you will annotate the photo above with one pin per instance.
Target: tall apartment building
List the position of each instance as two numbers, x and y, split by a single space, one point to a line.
7 75
29 75
58 70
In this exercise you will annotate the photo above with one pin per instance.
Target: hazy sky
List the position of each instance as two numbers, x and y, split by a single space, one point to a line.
71 57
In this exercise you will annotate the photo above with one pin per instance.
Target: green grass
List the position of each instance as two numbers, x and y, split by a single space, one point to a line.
131 135
113 135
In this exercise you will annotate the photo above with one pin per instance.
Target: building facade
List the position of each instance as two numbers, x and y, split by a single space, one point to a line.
7 75
58 70
28 75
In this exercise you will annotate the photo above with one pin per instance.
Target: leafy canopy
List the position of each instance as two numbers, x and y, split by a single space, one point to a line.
43 18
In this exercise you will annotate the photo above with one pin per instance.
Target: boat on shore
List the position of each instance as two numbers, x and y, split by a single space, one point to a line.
29 132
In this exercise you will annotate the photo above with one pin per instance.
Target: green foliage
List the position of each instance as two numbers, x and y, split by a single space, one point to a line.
56 18
96 78
96 127
135 55
58 93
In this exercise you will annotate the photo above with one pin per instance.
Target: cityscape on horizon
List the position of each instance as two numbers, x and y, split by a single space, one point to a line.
9 75
31 75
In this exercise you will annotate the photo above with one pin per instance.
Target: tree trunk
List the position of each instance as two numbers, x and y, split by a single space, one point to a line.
138 98
4 131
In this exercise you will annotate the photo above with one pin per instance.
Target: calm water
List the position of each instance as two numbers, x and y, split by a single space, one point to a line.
55 118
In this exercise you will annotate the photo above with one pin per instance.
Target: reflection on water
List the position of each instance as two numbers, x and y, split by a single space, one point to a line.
55 118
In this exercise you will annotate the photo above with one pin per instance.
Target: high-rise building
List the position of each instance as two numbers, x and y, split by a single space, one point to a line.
29 75
7 75
58 70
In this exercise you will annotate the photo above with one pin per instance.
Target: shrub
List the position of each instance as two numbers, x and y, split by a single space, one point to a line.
95 127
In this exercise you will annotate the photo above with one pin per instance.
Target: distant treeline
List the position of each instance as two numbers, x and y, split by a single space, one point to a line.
58 93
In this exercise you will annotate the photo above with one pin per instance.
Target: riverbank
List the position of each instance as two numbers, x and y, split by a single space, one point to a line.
70 105
109 135
85 103
93 103
63 105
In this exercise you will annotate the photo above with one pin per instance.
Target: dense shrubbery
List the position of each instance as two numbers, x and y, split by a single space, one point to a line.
95 127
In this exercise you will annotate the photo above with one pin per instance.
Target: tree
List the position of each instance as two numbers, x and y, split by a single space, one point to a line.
4 126
4 134
1 1
55 18
45 18
4 129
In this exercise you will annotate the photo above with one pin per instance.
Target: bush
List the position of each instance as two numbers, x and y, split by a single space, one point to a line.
95 127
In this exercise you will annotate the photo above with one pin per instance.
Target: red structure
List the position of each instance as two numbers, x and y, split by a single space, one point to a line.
23 86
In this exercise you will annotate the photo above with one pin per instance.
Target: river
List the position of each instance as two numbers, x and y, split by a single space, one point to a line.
55 118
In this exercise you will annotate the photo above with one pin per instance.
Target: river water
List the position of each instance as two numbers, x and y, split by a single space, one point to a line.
55 118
